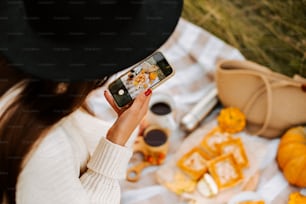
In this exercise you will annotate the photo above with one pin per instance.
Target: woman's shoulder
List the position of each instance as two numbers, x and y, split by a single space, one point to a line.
53 144
55 149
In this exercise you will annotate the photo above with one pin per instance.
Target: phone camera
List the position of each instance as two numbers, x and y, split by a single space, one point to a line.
121 92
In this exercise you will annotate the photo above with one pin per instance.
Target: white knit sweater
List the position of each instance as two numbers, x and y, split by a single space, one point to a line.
73 164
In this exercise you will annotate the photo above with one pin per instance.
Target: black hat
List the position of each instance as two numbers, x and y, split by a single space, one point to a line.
83 39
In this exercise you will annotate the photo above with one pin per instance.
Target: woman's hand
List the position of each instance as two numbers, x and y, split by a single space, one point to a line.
128 119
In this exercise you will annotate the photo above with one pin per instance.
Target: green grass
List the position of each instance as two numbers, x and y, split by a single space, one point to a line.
269 32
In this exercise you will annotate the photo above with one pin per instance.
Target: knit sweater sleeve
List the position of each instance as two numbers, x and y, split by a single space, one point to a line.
101 179
52 176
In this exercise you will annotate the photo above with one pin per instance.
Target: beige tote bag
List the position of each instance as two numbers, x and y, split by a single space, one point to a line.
272 102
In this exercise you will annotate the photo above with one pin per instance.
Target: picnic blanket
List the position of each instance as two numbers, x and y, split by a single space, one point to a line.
193 53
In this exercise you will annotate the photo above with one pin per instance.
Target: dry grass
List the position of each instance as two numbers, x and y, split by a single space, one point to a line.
269 32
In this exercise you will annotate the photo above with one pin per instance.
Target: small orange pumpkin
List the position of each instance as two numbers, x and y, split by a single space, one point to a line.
231 120
291 156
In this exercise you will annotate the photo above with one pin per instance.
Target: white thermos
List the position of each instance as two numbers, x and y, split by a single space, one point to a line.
194 117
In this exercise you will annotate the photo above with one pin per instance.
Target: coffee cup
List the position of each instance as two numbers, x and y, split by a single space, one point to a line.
154 145
156 140
162 111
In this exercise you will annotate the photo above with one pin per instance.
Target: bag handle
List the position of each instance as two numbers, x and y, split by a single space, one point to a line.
251 101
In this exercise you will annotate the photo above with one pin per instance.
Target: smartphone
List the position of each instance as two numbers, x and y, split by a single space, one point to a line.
149 73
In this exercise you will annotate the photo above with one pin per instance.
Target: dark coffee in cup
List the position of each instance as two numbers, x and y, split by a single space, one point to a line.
160 108
155 137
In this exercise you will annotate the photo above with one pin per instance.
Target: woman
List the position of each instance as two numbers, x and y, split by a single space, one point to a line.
36 131
47 153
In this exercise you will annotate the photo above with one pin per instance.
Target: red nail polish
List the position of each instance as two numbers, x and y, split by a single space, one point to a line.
304 87
148 92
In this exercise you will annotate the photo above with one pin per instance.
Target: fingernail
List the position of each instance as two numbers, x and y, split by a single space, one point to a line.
148 92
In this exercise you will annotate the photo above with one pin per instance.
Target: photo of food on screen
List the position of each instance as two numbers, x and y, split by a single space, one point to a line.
142 77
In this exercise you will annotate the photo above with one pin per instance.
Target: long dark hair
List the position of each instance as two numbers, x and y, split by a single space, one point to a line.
36 109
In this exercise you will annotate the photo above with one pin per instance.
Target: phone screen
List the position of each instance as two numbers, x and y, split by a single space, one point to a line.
143 76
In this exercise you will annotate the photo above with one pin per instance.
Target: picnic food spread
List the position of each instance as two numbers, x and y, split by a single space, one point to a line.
214 164
219 159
